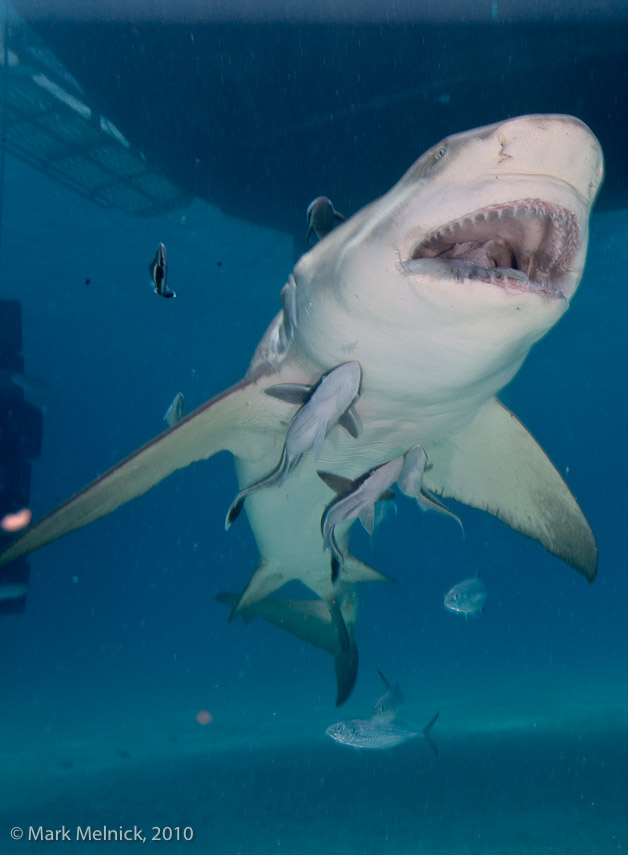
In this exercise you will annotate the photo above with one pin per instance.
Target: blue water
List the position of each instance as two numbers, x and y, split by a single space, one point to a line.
122 642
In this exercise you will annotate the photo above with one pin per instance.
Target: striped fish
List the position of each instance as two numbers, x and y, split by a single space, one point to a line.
158 269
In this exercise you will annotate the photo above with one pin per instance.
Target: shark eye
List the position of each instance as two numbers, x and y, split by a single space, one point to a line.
440 152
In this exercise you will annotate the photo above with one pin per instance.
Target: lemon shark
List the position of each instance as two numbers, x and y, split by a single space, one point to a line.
438 290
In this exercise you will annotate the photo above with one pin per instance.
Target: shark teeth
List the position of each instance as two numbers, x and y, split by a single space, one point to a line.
525 244
506 277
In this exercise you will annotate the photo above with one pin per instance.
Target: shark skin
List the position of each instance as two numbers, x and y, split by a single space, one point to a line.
438 289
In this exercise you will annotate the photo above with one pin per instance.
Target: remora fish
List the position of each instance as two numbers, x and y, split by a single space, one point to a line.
355 500
439 289
174 413
158 269
466 598
376 734
323 406
321 218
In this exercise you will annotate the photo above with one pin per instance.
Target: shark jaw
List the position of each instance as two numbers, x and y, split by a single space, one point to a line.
523 246
462 266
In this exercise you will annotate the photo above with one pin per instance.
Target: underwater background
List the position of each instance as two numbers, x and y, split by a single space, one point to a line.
122 641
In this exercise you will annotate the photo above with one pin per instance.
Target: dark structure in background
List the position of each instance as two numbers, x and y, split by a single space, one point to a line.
261 117
20 442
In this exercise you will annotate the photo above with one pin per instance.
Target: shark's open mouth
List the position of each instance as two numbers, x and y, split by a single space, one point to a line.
523 246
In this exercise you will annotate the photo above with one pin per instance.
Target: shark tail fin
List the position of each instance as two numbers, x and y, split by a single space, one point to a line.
426 732
328 627
346 655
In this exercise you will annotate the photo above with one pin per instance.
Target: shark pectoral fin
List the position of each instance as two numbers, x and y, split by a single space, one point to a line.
349 423
496 465
354 570
264 580
346 655
240 420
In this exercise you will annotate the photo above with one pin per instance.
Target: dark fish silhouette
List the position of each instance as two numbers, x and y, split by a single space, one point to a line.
158 269
321 218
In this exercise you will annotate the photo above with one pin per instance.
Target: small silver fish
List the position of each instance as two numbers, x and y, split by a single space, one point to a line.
355 500
158 269
467 598
174 413
377 734
323 406
321 218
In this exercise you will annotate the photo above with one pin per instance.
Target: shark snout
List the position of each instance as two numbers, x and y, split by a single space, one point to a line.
561 147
